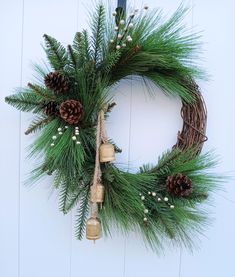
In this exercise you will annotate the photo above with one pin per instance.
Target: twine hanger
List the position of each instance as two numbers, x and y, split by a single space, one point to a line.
101 137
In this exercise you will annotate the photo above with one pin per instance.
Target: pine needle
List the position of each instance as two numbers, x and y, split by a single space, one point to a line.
38 124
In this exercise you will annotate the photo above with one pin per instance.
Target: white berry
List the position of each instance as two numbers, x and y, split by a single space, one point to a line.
60 133
66 127
145 219
146 211
154 194
165 199
52 144
119 36
114 13
74 138
159 199
131 25
54 137
111 40
116 28
122 22
129 38
124 45
149 192
59 129
118 47
172 206
142 197
78 142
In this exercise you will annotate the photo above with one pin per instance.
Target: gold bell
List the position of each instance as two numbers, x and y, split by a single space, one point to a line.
97 193
93 228
107 152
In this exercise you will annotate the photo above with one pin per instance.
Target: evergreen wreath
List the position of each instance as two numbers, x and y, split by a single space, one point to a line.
72 100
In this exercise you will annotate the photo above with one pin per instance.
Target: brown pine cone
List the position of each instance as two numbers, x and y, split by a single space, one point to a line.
71 111
179 185
51 108
56 82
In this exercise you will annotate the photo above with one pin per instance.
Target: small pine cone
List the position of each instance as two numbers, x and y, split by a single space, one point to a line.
179 185
56 82
71 111
51 108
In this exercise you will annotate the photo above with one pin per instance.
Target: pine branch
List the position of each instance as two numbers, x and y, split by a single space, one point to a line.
64 192
77 40
56 53
38 124
25 101
41 91
167 159
86 46
168 229
69 197
57 179
72 200
82 214
98 28
111 106
72 56
126 59
41 70
82 48
110 62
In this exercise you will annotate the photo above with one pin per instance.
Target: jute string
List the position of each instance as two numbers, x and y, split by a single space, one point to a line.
101 136
104 136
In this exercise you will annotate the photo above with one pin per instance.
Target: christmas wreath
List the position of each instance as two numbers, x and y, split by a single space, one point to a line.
71 99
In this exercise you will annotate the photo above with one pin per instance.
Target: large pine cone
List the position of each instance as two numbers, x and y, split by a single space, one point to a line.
179 185
56 82
71 111
51 108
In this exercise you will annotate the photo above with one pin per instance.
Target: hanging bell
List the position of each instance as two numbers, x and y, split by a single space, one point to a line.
107 152
93 228
97 193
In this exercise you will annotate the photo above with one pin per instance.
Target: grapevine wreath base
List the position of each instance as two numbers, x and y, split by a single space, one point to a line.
71 99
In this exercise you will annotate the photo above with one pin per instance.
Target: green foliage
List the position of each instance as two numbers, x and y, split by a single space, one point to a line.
98 30
25 101
165 54
124 208
56 53
37 124
82 213
109 62
42 92
81 48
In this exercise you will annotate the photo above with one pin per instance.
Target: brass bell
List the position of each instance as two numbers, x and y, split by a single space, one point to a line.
97 193
107 152
93 228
